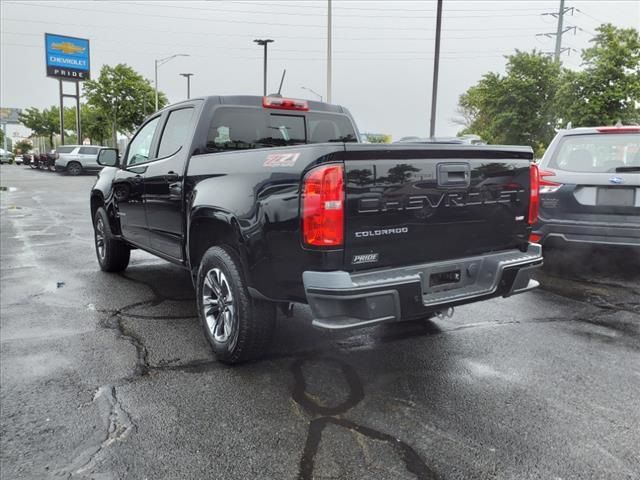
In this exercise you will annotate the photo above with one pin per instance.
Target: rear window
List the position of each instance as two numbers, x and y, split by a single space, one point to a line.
246 128
597 152
65 149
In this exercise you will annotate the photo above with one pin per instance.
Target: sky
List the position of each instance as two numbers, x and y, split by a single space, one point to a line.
382 50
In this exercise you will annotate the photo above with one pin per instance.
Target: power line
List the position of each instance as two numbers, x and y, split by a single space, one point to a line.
320 14
594 18
342 7
191 32
242 35
247 22
448 55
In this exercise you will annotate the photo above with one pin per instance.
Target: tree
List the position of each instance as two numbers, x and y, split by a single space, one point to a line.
95 123
608 88
515 108
44 123
122 95
22 146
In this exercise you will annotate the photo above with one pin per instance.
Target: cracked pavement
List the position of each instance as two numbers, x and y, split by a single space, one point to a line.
108 376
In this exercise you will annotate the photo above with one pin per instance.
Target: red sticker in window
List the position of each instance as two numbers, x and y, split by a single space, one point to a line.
281 159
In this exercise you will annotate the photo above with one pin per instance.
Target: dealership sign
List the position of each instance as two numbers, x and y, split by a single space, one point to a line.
67 57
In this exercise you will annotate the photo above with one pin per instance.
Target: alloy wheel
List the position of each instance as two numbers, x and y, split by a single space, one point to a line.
100 238
218 307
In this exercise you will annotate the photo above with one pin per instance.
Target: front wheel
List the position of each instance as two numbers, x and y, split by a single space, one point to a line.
238 327
113 254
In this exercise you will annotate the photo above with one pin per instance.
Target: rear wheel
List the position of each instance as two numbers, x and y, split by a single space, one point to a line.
74 168
113 254
238 327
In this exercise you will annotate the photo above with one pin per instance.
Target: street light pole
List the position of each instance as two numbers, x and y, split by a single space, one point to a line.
265 42
312 91
162 61
188 77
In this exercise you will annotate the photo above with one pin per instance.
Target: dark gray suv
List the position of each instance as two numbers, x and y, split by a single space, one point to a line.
590 187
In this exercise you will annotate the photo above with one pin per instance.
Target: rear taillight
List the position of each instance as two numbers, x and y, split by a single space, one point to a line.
547 186
535 238
534 194
323 207
285 103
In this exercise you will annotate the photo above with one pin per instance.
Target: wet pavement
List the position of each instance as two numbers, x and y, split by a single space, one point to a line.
109 376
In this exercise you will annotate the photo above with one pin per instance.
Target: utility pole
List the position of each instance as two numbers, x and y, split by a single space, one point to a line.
556 55
436 64
188 77
264 43
560 30
328 51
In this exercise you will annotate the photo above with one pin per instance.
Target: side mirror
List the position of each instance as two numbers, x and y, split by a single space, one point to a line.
108 157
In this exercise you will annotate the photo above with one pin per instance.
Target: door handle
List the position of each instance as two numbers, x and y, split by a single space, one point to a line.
172 177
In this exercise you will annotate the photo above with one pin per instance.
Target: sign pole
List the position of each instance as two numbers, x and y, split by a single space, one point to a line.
68 60
61 114
78 113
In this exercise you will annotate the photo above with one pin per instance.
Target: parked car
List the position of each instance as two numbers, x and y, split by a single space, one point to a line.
76 159
6 157
271 201
590 188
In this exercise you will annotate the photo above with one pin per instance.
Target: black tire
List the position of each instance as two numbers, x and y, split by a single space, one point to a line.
113 254
74 168
250 322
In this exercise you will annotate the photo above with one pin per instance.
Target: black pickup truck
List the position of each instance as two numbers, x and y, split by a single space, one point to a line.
268 201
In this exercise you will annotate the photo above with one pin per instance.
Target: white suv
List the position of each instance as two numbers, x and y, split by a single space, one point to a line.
75 159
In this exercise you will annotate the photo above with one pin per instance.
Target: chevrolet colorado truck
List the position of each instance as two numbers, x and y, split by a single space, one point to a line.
271 201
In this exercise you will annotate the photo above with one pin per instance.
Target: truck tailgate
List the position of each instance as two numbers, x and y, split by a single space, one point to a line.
424 203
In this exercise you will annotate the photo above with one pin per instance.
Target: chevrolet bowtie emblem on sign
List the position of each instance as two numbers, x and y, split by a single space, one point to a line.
68 48
67 58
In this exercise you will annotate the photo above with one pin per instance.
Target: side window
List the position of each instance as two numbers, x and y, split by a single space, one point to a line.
141 144
175 132
88 151
65 149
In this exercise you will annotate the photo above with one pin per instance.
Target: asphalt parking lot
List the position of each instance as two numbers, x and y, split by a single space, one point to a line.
109 376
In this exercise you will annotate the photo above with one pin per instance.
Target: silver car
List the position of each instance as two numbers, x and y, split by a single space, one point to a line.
590 188
76 159
6 157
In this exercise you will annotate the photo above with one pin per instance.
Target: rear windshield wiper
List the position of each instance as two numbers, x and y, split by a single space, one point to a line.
627 169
